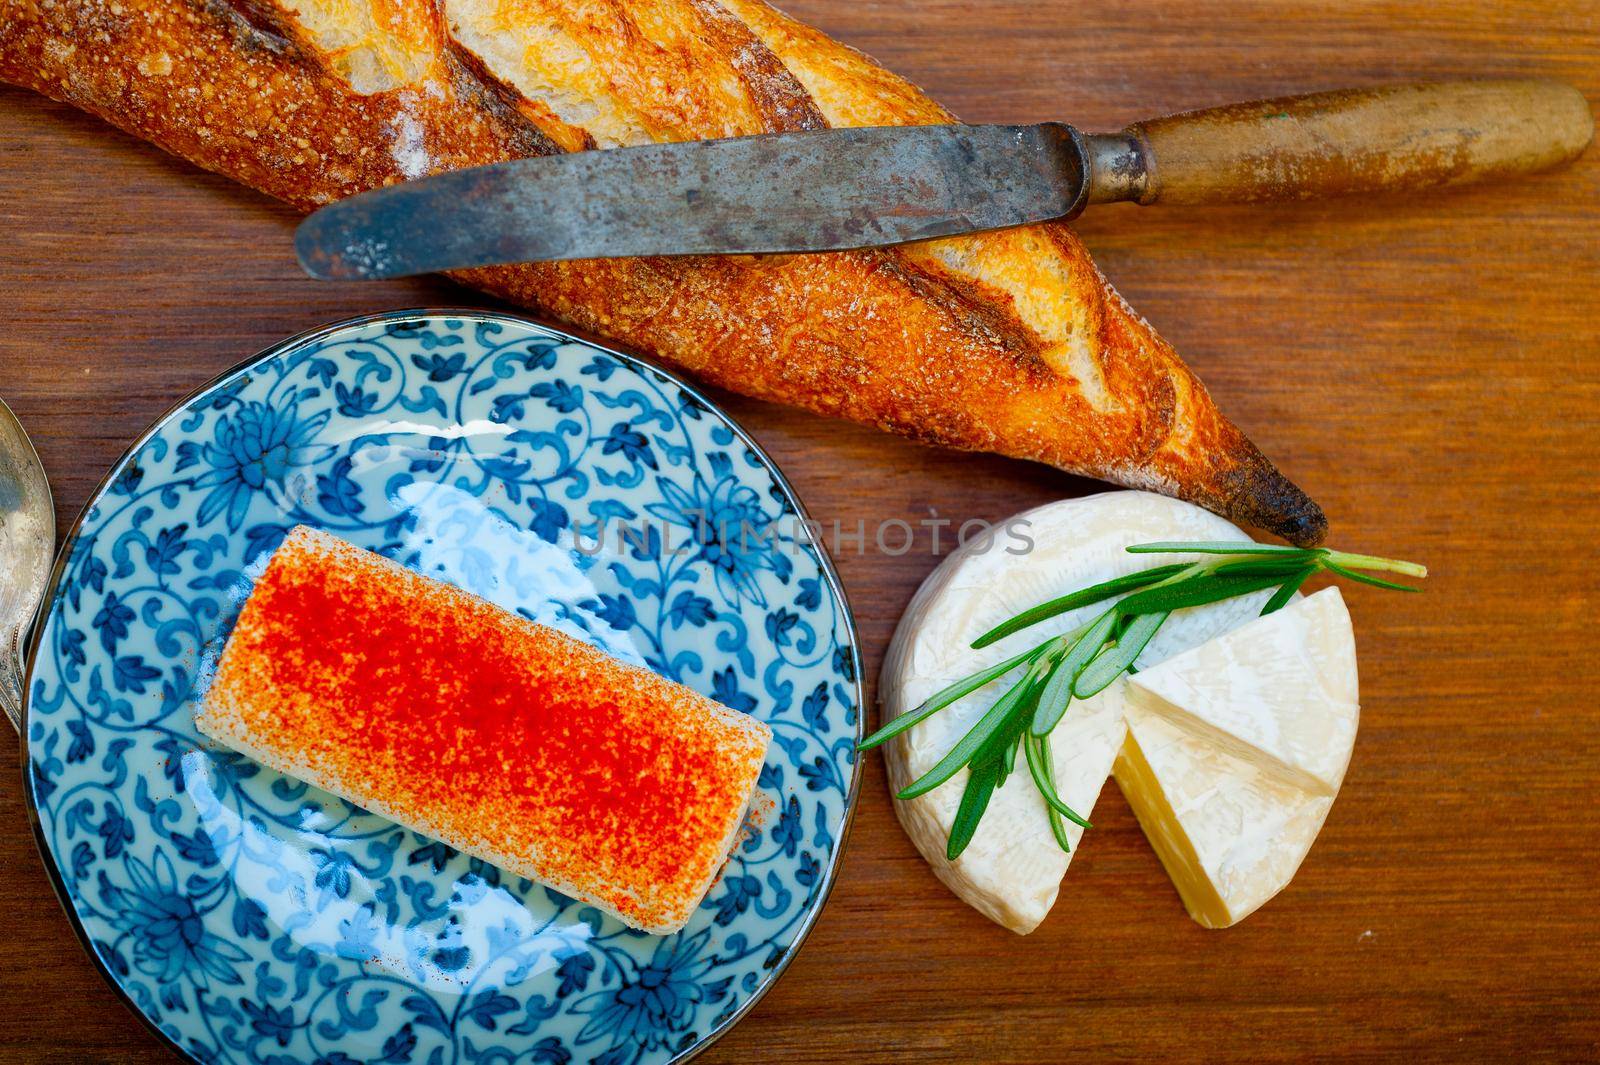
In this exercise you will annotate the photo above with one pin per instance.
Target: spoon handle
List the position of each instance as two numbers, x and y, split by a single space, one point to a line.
27 544
11 680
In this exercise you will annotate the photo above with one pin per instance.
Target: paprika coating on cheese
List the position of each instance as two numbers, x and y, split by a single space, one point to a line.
504 738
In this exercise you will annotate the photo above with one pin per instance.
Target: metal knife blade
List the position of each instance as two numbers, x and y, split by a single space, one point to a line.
826 190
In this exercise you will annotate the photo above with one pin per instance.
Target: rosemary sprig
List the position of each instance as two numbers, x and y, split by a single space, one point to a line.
1087 660
1087 597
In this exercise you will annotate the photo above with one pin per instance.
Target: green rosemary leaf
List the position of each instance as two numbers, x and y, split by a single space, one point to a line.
1091 642
944 697
1042 752
1054 699
1221 547
1057 694
1224 547
1087 597
1386 565
1284 566
1365 578
1003 744
1008 757
1121 625
1196 591
1281 597
1109 664
974 801
969 745
1044 780
1058 828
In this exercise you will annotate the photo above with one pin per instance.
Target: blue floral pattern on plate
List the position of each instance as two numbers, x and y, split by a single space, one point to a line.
250 918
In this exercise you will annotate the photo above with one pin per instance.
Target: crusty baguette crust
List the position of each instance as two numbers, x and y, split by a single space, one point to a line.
507 740
1010 342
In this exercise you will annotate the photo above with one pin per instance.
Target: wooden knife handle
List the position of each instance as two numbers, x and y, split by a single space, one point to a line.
1396 137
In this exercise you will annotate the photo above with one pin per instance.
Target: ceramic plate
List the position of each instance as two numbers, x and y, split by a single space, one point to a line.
250 918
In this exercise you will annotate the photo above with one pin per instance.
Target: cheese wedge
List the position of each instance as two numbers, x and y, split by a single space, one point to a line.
1012 869
1229 834
1280 693
500 737
1235 750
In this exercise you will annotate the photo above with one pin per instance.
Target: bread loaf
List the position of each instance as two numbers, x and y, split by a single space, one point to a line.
1010 342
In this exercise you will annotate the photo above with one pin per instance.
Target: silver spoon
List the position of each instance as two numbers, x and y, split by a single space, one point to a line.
27 544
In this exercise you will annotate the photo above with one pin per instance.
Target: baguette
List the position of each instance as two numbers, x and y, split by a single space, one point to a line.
1010 341
503 738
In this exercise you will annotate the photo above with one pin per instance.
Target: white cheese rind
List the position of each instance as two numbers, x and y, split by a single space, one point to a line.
1012 869
1281 692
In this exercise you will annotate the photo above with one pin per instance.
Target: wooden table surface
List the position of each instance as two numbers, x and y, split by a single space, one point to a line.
1425 367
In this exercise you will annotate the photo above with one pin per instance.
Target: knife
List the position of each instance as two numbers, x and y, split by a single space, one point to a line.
831 190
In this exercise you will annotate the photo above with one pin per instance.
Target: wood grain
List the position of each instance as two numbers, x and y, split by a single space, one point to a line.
1424 367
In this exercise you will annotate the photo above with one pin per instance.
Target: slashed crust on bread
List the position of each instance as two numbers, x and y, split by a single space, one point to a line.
1010 342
